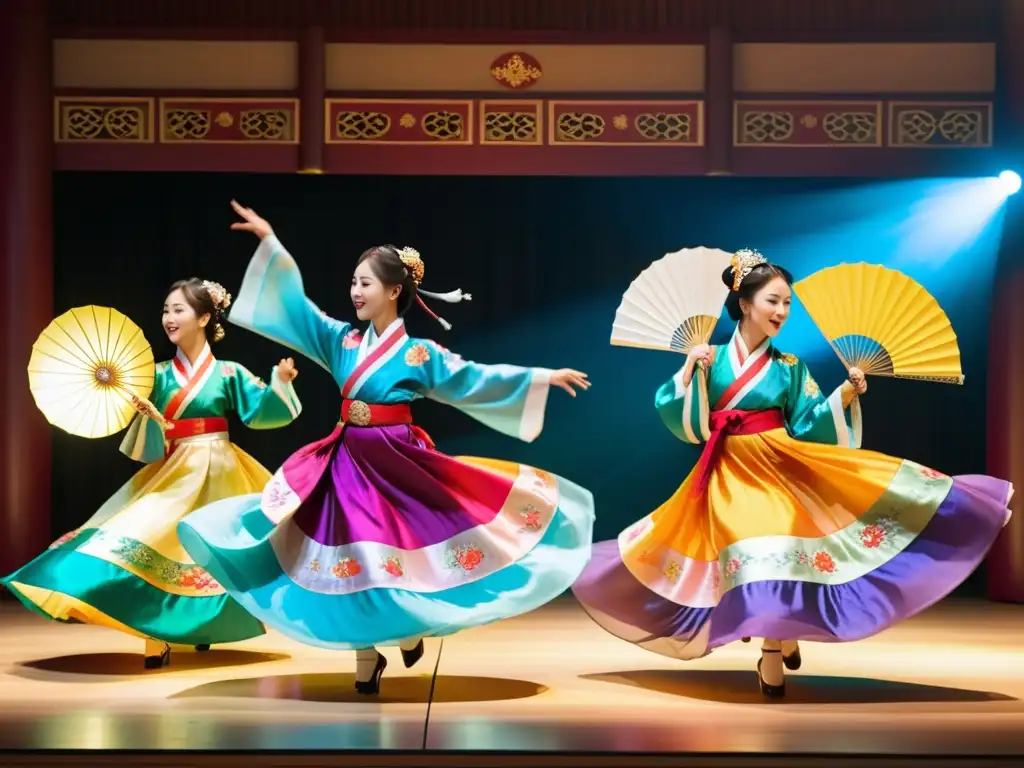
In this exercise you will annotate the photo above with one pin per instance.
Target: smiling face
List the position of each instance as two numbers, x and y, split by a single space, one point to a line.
181 323
370 296
768 310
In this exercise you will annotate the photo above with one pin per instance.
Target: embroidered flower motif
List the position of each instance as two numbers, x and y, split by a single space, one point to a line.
416 355
824 563
716 579
872 536
638 530
646 558
314 565
346 568
65 538
198 579
392 566
545 477
227 369
531 518
932 474
672 571
274 495
787 359
352 339
811 388
733 567
466 558
446 353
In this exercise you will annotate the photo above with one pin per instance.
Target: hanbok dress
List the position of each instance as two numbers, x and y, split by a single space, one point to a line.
784 530
124 567
370 536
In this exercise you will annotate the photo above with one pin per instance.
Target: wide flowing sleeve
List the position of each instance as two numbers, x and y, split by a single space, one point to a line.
685 409
145 441
506 398
272 302
260 406
818 419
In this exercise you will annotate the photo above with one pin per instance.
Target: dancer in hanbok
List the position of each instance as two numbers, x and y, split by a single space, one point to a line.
124 568
371 537
784 530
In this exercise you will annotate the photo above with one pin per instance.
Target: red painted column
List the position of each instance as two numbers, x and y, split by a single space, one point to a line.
26 147
1005 564
718 100
312 92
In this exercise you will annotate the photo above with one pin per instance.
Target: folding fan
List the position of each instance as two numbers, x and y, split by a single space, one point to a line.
85 368
673 305
883 322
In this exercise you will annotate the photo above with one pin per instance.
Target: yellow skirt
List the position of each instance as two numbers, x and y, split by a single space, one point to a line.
125 567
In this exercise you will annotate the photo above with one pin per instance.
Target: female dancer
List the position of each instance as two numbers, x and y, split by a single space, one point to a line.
125 568
783 530
371 537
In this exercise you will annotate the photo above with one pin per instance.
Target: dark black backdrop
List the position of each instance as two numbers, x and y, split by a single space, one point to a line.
546 259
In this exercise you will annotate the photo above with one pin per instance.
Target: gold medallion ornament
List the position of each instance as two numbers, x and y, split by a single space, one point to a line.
358 413
87 369
516 70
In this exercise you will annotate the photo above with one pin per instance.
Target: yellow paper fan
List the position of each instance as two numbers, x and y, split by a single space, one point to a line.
883 322
86 366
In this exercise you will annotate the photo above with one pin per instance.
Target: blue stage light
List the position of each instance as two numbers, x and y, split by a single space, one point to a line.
1010 182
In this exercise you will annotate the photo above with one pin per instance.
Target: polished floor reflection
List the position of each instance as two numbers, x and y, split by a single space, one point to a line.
949 682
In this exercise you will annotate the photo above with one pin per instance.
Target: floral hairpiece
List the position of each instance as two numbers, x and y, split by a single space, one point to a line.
743 263
220 297
413 262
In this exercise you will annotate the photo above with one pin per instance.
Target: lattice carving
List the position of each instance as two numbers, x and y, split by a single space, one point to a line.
662 126
265 124
962 126
766 127
362 125
510 126
851 127
102 123
187 124
443 126
579 126
916 126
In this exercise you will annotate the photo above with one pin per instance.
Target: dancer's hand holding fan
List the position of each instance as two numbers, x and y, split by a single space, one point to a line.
91 369
674 304
882 322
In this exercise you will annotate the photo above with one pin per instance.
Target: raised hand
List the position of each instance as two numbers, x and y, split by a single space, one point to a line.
146 408
570 380
286 370
251 221
858 381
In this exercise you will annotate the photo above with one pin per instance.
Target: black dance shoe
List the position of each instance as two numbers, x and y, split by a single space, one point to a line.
371 687
770 691
411 657
158 662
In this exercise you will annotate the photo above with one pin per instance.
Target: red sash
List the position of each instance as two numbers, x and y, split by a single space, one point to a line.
725 423
182 428
359 414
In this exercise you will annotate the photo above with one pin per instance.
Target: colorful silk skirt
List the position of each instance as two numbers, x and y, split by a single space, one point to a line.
791 541
125 568
370 536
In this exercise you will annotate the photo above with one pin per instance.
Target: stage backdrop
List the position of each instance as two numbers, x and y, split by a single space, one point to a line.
546 260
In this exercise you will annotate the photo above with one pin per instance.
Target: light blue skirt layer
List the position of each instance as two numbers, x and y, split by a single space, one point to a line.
231 540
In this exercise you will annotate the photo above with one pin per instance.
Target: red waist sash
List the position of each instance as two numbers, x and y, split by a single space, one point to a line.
183 428
359 414
725 423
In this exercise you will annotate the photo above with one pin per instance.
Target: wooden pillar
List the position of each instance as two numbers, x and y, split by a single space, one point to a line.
312 92
1005 564
26 147
718 98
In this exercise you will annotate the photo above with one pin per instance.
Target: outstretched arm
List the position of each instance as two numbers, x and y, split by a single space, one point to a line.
272 301
258 405
145 439
507 398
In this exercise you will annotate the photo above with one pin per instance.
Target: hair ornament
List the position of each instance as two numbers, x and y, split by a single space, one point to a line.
743 263
414 263
220 297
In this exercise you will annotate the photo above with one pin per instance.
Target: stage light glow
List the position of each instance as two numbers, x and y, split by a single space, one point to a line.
1010 182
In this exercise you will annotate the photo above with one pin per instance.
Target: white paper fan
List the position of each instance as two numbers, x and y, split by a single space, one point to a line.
673 305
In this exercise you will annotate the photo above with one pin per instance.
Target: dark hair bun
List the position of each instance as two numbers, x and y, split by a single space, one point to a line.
727 277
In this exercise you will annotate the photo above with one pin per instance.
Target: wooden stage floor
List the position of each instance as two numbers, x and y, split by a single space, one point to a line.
948 683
